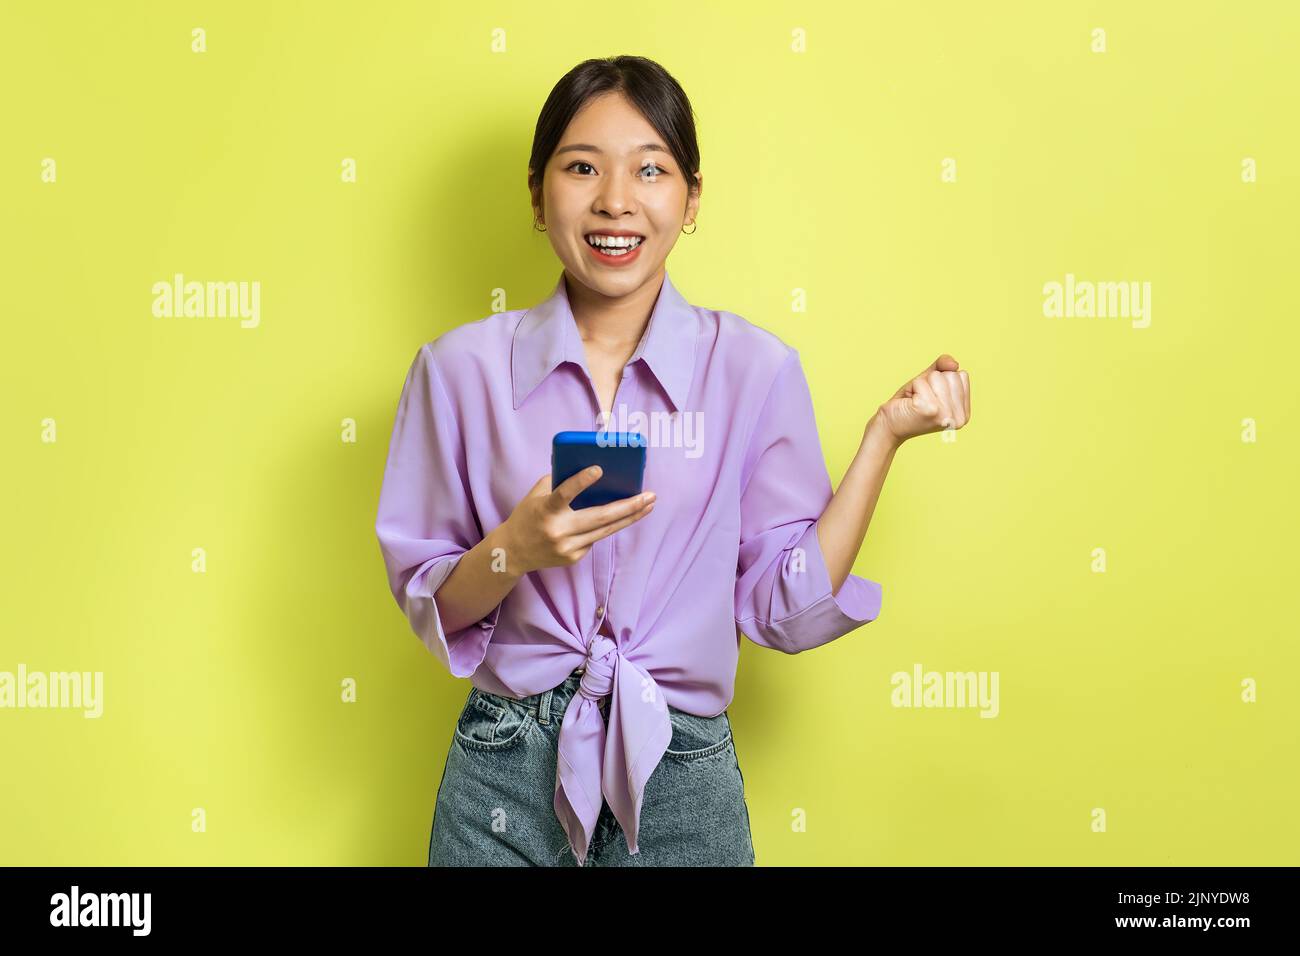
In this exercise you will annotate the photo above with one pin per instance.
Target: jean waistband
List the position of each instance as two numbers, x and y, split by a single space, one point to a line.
550 704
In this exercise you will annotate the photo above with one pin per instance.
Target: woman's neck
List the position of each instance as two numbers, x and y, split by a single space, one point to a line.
613 326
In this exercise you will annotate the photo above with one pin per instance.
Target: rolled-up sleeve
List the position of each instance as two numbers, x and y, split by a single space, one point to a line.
426 519
783 588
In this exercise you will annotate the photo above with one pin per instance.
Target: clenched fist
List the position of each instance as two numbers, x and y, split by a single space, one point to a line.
934 400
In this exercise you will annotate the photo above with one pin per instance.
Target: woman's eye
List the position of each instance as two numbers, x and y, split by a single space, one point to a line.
654 169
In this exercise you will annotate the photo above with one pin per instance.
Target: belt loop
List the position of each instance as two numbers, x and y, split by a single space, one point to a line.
544 709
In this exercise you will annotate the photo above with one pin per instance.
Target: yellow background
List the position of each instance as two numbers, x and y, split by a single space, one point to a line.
1119 690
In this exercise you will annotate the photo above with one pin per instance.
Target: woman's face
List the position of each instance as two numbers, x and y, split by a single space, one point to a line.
612 173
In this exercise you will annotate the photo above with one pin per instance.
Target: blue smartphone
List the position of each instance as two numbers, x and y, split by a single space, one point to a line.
621 456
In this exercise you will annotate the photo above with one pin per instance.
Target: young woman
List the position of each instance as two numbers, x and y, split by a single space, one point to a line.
602 642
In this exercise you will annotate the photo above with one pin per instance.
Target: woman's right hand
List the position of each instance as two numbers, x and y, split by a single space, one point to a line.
543 531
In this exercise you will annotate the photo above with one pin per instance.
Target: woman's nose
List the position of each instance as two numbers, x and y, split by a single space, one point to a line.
616 194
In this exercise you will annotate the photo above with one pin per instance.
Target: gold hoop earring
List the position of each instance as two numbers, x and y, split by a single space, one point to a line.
692 232
538 222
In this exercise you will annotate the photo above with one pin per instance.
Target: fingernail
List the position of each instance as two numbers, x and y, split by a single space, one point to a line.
648 497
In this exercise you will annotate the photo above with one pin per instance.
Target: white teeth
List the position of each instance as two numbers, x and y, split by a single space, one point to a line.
614 245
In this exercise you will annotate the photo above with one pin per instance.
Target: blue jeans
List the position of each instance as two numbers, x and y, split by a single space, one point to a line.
495 804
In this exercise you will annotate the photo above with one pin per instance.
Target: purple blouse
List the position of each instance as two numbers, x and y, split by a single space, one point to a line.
655 611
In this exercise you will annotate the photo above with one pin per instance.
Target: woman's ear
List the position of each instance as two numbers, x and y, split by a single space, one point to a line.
534 196
693 201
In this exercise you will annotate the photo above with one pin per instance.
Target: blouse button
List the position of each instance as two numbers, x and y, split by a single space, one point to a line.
600 610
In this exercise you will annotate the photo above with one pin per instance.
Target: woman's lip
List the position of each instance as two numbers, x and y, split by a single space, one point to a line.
614 260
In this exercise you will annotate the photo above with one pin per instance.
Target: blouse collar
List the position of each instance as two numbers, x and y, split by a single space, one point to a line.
548 335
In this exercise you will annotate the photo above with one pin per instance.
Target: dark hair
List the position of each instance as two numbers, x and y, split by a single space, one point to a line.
648 86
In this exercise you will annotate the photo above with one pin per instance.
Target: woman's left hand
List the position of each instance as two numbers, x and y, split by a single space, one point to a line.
936 399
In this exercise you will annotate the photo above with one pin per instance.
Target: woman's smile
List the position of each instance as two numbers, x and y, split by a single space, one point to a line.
614 247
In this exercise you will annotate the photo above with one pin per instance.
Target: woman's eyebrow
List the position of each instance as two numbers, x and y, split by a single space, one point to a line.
588 148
